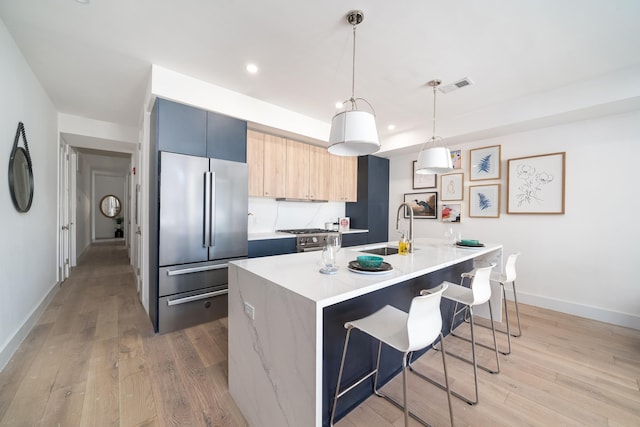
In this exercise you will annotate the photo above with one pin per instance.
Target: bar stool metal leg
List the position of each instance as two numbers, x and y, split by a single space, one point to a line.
352 386
515 301
444 387
474 343
403 407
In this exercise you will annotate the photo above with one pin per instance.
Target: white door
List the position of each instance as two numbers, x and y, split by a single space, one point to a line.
63 262
73 167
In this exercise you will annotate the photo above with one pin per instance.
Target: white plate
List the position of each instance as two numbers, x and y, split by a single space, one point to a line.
369 272
468 247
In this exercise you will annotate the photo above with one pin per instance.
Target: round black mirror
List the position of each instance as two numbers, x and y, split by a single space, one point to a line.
21 173
110 206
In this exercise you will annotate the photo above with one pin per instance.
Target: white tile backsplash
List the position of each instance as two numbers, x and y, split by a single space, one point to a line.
267 215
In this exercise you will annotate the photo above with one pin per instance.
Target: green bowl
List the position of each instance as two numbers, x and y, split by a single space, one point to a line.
469 242
370 261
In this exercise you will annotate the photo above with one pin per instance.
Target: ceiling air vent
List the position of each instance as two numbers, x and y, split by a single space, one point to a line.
456 85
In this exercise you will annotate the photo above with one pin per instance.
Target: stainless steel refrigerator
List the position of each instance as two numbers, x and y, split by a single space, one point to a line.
203 207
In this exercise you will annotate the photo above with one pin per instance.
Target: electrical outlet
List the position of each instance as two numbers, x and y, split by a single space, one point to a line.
250 311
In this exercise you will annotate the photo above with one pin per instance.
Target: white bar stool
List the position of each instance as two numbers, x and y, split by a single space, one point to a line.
509 276
405 332
479 292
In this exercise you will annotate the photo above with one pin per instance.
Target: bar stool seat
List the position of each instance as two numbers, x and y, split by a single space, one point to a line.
405 332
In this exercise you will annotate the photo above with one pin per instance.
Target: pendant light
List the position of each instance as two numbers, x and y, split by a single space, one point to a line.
354 132
435 159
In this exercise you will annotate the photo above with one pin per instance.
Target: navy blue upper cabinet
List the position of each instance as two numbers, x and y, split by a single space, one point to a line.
371 211
189 130
226 138
180 128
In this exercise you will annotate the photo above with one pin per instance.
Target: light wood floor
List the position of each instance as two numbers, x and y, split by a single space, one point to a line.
92 359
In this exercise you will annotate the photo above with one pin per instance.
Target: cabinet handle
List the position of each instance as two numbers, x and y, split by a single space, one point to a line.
197 297
212 209
207 205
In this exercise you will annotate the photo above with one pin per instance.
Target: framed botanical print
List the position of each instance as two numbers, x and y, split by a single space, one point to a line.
423 181
535 184
423 205
451 186
484 163
484 201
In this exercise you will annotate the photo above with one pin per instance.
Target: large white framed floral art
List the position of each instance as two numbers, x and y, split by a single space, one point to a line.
536 184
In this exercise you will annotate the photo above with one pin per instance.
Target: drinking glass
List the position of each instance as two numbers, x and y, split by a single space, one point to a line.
450 235
335 241
329 259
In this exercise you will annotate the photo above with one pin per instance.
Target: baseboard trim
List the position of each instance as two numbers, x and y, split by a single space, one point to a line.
12 346
589 312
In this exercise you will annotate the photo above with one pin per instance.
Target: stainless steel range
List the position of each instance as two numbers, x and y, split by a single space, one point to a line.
310 239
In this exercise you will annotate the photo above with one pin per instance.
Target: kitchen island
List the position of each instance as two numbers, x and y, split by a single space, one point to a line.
285 325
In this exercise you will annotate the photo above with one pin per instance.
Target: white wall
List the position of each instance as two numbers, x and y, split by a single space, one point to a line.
582 262
268 215
28 265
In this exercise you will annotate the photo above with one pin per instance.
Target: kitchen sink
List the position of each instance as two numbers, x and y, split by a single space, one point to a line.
387 250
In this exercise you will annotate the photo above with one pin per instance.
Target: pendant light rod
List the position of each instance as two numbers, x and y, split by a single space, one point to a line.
353 67
434 159
354 18
434 84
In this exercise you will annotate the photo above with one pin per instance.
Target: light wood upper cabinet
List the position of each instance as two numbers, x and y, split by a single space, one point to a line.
343 179
350 177
319 173
279 167
307 171
297 170
255 162
275 156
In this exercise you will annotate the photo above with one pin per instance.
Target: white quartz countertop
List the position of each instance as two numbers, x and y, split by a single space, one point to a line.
299 272
280 235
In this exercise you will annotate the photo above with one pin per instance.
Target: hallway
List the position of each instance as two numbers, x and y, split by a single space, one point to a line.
89 359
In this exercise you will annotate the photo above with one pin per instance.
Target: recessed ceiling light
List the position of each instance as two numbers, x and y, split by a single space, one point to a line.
252 68
83 1
339 105
391 127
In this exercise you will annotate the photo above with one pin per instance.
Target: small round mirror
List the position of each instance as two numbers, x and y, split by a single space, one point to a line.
110 206
20 179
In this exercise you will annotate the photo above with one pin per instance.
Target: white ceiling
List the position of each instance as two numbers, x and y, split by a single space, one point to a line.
94 60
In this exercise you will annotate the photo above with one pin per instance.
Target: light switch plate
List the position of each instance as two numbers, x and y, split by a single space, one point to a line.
250 311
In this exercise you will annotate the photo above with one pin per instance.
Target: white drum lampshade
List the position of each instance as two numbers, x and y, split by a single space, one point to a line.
353 133
434 160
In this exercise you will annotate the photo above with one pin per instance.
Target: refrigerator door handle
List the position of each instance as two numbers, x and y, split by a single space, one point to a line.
197 297
206 213
196 269
212 209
